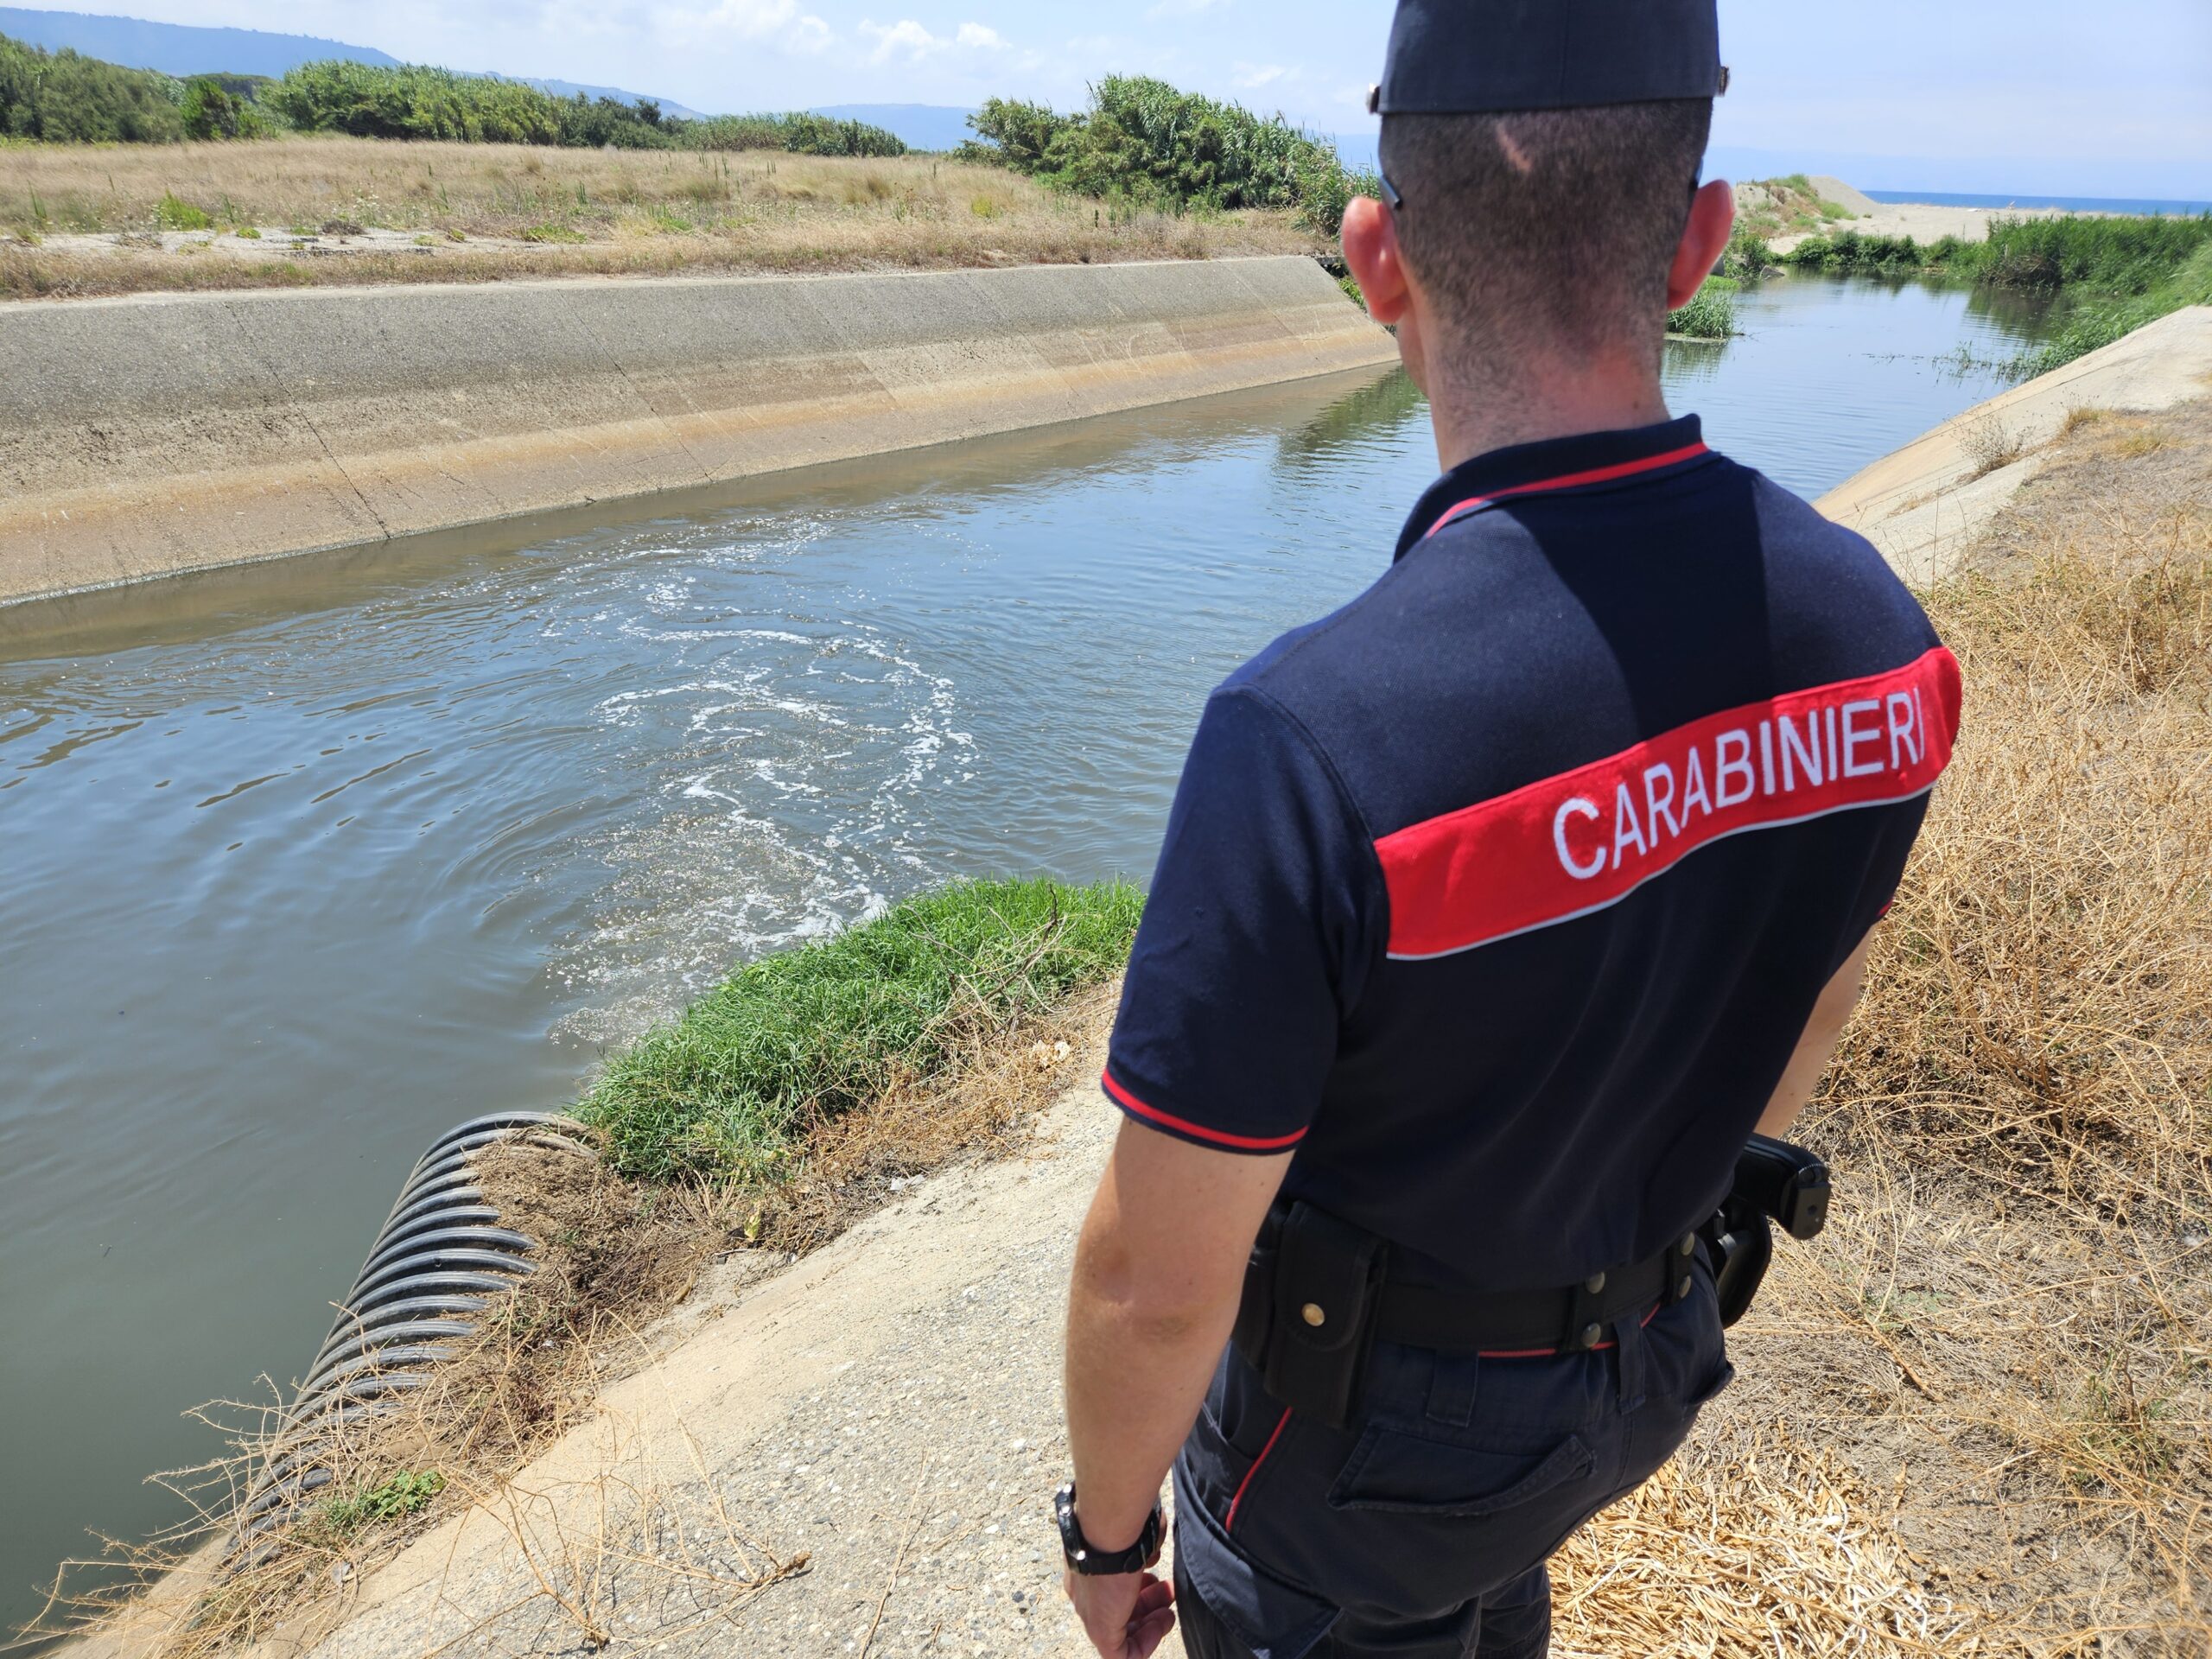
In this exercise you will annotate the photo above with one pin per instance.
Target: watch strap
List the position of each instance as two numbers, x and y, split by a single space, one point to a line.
1083 1558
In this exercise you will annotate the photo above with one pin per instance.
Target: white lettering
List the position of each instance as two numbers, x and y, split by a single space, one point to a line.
1902 741
1741 766
1577 807
1766 757
1805 750
1834 762
1657 805
1626 830
1694 793
1855 738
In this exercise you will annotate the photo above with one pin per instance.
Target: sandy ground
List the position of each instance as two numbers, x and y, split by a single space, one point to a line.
1922 222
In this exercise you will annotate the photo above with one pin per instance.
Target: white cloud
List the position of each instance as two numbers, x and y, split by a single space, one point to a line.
1250 77
1186 8
778 21
912 41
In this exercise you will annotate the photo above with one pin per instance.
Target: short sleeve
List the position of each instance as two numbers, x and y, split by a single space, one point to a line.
1265 912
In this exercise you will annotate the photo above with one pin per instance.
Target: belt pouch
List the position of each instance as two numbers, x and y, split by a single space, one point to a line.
1328 1279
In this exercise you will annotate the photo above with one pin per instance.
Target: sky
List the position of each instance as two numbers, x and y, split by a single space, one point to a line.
2112 99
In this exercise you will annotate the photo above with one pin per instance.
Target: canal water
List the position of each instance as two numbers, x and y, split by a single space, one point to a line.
303 864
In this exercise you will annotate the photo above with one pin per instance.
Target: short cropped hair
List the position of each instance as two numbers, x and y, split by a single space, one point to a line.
1548 228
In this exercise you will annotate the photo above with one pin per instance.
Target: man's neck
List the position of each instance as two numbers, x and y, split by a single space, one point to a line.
1472 418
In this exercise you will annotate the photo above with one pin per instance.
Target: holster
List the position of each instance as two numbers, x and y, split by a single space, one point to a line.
1774 1181
1306 1322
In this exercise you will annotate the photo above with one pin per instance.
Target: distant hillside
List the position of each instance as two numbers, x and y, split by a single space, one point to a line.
182 49
175 48
922 126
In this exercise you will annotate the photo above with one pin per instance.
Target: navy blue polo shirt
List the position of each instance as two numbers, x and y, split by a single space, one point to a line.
1503 894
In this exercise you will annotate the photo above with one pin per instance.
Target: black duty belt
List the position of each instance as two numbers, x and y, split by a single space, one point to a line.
1535 1321
1319 1292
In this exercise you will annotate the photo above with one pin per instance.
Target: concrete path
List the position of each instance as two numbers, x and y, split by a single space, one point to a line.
1924 504
889 1408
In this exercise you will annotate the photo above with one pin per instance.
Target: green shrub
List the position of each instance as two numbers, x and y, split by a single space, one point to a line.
792 1038
61 98
1747 256
215 107
1148 143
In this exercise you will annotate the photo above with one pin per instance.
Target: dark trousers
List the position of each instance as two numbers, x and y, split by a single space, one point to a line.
1515 1623
1420 1530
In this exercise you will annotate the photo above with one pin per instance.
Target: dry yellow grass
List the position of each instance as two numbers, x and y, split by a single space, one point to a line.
2005 1339
520 210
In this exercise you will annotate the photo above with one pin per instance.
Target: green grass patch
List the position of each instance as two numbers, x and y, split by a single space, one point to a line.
402 1495
177 214
731 1089
1711 314
552 233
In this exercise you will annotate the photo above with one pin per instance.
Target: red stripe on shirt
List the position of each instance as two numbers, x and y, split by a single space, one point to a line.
1566 846
1570 480
1129 1103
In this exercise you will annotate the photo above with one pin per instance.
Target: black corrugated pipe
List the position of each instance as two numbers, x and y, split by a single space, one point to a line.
438 1261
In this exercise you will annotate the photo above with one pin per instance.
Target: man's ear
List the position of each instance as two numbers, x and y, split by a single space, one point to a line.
1704 239
1370 242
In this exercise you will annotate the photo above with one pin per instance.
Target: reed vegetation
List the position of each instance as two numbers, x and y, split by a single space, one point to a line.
1711 314
2112 273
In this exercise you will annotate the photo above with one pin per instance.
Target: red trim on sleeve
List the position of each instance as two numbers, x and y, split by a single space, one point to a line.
1566 846
1130 1103
1228 1521
1571 480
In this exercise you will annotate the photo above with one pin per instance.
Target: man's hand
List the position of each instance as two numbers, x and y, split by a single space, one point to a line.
1126 1616
1157 1274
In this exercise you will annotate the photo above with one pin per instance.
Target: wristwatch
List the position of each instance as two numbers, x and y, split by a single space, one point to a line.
1097 1563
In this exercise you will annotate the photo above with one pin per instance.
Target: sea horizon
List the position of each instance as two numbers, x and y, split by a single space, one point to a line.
2143 204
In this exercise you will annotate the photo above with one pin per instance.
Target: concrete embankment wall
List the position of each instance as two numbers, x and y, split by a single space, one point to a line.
1924 504
145 436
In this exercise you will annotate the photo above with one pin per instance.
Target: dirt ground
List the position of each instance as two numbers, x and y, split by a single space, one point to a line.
82 221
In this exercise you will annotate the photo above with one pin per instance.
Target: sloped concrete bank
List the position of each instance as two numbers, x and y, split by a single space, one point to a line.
1924 504
150 436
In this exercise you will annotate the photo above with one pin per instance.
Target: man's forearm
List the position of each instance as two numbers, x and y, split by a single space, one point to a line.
1135 1376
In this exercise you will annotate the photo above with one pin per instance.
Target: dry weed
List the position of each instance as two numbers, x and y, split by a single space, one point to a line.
1776 1549
2011 1315
84 220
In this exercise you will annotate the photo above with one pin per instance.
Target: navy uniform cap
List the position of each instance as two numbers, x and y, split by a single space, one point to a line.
1458 57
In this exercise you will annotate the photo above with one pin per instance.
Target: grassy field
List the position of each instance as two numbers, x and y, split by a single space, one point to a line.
81 221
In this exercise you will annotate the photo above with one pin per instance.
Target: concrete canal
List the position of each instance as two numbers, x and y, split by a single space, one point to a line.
305 862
